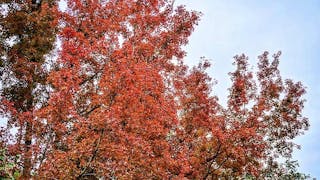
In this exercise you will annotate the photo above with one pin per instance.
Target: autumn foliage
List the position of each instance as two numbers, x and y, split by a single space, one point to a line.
117 101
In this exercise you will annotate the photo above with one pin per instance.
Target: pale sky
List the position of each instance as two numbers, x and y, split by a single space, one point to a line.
230 27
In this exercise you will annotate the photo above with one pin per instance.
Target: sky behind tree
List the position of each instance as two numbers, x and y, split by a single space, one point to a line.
233 27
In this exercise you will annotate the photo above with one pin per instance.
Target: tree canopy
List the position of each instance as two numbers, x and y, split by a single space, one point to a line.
117 101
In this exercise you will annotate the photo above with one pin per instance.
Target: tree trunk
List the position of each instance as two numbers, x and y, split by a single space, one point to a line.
26 174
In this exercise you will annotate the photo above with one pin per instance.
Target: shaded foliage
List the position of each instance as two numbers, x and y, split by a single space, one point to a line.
27 36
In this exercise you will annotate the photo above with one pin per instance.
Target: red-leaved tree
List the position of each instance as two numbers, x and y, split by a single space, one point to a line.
119 103
28 33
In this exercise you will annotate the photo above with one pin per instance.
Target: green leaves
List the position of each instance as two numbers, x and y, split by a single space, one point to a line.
8 168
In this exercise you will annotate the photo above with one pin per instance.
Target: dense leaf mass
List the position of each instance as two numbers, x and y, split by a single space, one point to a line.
117 101
27 36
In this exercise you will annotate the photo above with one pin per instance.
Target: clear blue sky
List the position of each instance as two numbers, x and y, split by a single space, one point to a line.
230 27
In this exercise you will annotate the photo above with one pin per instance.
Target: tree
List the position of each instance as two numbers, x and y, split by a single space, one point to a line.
27 36
119 102
286 170
110 112
249 135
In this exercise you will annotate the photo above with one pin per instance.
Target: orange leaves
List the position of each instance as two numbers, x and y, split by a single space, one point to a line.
117 89
68 32
32 25
119 103
249 130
